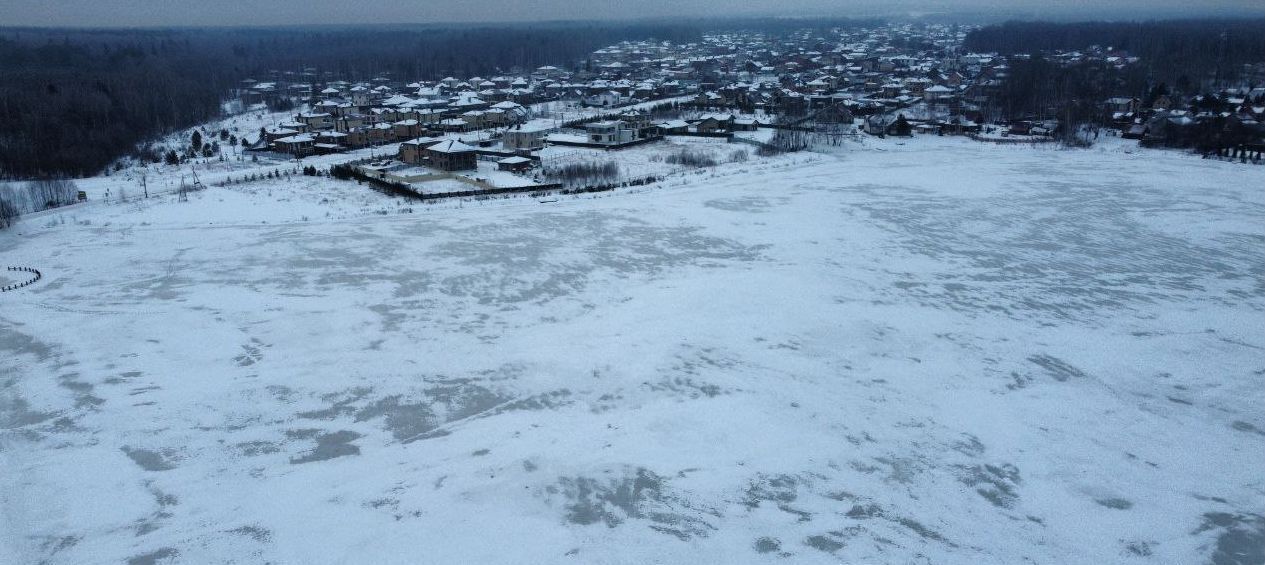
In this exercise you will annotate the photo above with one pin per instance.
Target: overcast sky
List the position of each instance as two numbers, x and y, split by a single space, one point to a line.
129 13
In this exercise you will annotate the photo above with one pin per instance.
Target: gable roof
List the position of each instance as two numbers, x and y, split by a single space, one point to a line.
451 146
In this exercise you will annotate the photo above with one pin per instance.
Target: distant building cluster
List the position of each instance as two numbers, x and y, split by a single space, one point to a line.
890 79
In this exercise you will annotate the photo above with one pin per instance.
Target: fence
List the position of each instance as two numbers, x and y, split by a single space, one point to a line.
624 183
352 172
542 188
1011 140
748 141
606 146
716 134
33 271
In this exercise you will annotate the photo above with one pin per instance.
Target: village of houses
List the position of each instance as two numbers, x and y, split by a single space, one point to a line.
502 132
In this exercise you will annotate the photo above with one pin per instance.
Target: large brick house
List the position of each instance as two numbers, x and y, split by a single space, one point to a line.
452 155
526 137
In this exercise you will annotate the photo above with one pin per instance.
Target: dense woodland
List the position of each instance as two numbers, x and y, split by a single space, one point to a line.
1190 53
1183 58
74 100
1038 88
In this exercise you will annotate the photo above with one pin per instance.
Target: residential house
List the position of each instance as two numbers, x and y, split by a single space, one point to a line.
299 145
673 126
413 151
613 132
514 164
713 123
526 137
604 99
408 129
452 155
319 121
381 133
1123 105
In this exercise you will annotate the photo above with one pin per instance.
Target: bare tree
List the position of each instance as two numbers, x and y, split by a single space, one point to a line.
9 212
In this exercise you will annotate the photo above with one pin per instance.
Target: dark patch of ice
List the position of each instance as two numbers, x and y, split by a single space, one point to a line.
150 460
1241 541
164 555
1246 427
1057 368
767 545
635 495
996 483
257 533
823 543
330 446
1115 503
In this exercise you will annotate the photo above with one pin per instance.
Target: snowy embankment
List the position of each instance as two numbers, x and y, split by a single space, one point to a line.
933 351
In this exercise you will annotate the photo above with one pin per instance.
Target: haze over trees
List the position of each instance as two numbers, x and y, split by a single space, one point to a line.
1186 56
1175 57
1199 50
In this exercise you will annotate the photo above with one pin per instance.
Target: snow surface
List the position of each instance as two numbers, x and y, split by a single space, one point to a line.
934 351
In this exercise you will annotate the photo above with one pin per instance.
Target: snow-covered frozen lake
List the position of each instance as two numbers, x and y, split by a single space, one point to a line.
933 352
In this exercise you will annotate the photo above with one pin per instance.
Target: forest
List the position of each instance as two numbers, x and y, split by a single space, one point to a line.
1183 58
1187 53
73 101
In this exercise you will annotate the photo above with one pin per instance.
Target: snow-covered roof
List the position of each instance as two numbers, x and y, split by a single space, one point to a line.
450 146
300 138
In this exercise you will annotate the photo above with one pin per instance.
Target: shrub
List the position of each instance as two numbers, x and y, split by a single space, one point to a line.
583 173
9 212
691 158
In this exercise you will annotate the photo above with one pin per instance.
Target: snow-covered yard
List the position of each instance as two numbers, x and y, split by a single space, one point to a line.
933 351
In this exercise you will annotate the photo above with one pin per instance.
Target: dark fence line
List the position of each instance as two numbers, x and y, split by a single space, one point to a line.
648 179
788 127
716 134
350 172
589 145
617 110
491 191
1005 140
755 143
498 155
33 271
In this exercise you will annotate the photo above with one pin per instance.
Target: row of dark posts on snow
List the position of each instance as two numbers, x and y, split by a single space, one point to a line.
36 272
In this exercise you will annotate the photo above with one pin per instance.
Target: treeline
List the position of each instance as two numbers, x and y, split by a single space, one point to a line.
24 198
426 52
1181 58
1186 53
73 101
69 108
1038 88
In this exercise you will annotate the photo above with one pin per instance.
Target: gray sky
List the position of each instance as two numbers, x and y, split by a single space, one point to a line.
129 13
